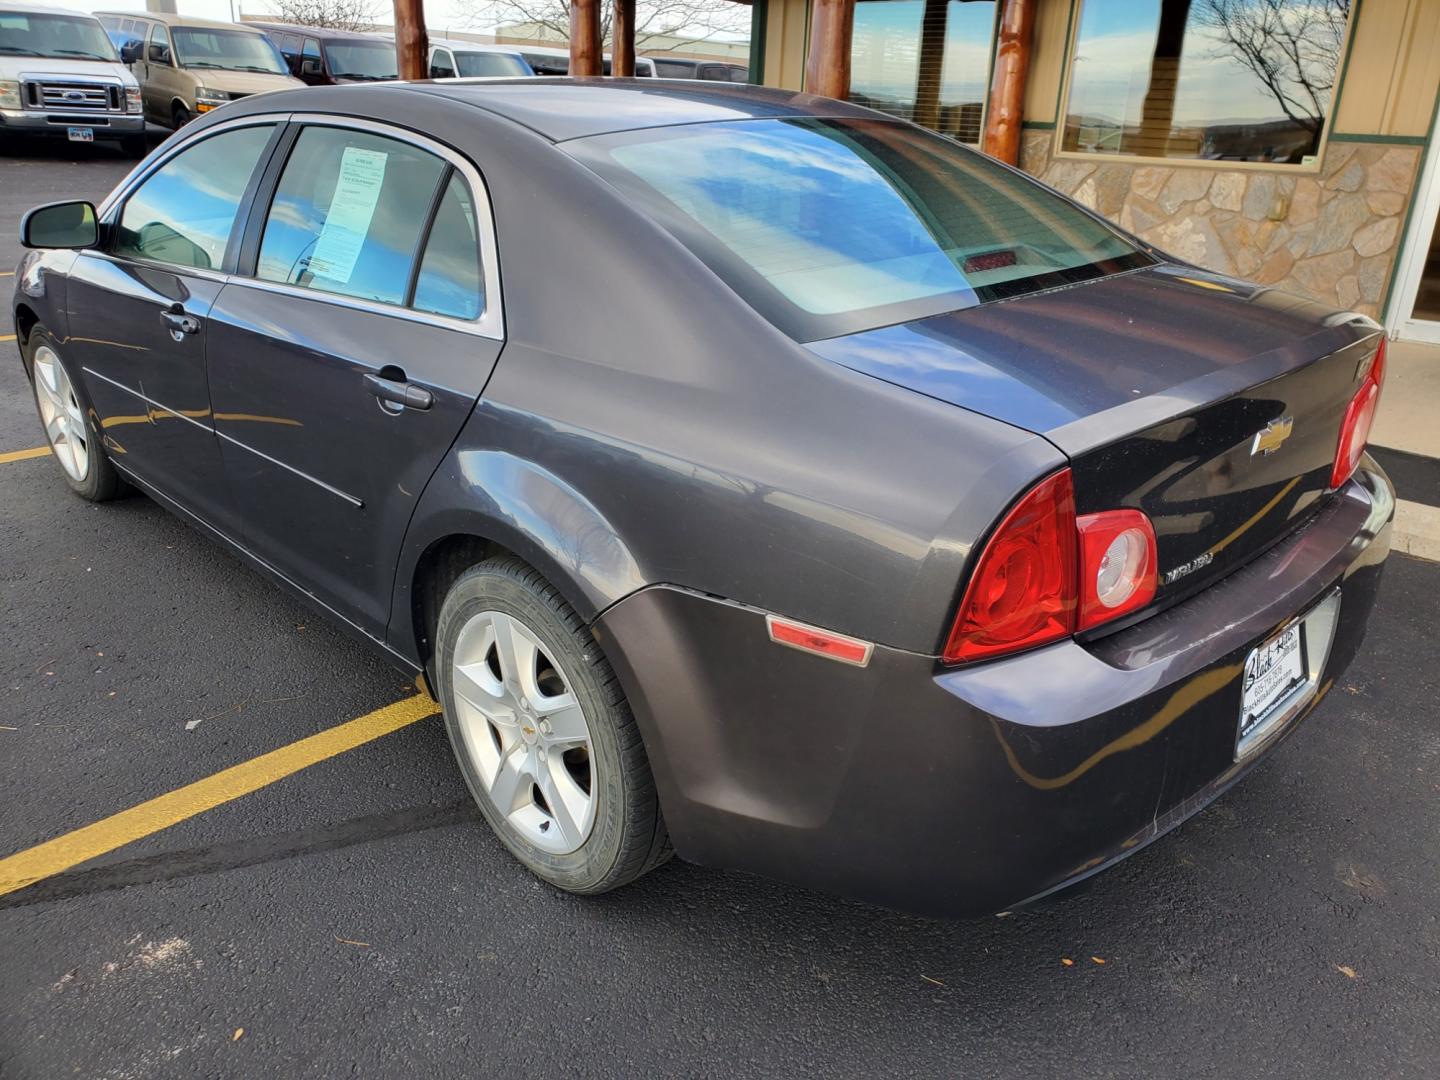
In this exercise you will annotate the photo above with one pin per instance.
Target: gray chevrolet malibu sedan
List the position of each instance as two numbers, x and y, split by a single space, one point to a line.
752 475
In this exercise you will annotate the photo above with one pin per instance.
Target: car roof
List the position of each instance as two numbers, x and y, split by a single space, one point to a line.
461 45
171 19
562 108
43 9
325 33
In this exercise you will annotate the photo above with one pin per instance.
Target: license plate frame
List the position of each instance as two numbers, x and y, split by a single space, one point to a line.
80 134
1281 675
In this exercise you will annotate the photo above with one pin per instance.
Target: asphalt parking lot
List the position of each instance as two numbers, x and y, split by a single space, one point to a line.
354 917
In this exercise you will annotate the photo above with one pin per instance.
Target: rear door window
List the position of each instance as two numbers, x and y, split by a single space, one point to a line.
450 281
183 213
348 214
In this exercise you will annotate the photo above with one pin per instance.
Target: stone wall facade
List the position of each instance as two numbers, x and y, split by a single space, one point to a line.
1332 236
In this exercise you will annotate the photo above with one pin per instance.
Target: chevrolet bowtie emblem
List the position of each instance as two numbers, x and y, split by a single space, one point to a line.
1268 439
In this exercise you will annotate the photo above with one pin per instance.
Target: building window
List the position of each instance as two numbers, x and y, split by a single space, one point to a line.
925 60
1214 80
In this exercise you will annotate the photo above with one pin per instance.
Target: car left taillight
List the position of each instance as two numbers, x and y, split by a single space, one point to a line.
1045 574
1359 416
1022 591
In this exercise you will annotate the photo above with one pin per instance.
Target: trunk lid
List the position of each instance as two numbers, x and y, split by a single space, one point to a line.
1155 384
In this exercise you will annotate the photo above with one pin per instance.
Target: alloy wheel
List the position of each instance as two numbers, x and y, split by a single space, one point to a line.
61 414
524 730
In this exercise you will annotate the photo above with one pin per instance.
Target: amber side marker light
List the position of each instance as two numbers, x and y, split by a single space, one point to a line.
813 639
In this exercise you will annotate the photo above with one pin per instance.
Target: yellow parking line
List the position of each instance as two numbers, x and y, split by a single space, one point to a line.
23 455
54 856
7 337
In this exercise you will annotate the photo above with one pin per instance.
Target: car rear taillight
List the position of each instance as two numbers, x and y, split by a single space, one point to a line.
1117 565
1022 592
1045 574
1355 431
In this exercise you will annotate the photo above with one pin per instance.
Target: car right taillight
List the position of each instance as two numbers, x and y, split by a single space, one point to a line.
1022 592
1359 416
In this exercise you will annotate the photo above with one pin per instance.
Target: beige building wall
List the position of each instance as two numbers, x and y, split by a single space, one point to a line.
1331 233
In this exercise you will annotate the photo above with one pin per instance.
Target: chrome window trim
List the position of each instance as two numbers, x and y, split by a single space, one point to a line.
490 324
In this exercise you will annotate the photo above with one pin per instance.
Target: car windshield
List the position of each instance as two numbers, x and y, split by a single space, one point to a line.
477 65
231 50
369 60
829 227
69 37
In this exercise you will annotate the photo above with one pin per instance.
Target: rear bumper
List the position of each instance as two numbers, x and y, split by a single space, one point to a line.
105 125
971 790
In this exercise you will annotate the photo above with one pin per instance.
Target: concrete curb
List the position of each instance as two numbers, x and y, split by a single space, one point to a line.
1417 530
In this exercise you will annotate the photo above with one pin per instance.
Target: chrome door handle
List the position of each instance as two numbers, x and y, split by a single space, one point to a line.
398 392
177 322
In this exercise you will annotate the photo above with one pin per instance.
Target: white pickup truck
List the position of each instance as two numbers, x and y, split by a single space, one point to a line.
61 76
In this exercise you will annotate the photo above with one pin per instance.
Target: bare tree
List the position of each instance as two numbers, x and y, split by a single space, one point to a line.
1292 48
332 14
688 20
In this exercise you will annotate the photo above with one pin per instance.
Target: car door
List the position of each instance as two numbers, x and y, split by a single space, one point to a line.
156 89
139 308
346 357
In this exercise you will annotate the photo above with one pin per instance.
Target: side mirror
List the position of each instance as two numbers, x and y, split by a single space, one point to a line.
159 54
63 225
130 52
310 67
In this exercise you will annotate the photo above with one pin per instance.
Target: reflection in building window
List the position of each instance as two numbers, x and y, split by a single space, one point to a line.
924 60
1219 80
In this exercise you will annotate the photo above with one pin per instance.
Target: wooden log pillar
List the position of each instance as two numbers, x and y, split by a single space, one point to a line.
585 55
827 67
1007 85
412 43
622 40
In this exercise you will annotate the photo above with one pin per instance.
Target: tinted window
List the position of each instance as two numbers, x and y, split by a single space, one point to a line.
289 48
442 65
1229 81
183 213
159 44
363 60
669 69
311 50
348 214
491 64
450 281
829 227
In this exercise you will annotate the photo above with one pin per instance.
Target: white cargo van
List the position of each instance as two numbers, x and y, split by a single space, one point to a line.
60 76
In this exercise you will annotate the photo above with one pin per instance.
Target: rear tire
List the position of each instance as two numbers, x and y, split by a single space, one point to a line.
536 717
69 422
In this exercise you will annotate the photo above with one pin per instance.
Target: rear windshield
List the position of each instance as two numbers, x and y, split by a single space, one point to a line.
829 227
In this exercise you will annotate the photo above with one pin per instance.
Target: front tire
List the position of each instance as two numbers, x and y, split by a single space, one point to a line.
542 731
69 422
179 117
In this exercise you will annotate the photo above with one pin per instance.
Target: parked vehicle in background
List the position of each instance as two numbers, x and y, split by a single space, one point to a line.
677 67
61 77
453 59
547 61
321 57
186 66
892 525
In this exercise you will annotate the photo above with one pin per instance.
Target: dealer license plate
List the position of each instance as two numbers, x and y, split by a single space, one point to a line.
80 134
1272 671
